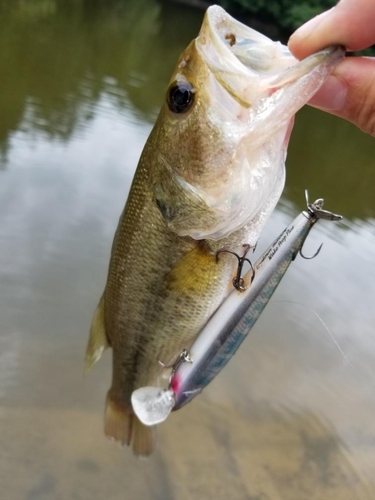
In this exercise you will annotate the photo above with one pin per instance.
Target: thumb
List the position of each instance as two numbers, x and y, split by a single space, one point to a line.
350 23
349 92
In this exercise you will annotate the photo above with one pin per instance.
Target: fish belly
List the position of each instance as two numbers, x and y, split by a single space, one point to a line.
160 291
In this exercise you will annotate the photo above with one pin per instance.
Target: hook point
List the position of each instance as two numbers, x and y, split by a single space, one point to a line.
312 256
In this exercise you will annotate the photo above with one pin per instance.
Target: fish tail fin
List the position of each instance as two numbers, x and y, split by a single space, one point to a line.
120 424
143 438
98 340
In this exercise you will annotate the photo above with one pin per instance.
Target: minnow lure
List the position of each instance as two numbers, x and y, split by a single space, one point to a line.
226 330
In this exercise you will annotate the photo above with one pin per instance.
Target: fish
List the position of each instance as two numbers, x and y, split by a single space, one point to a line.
228 327
209 176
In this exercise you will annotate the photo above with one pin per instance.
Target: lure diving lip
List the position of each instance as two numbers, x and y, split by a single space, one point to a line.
227 328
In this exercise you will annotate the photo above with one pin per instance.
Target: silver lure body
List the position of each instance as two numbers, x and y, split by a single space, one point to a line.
222 335
228 327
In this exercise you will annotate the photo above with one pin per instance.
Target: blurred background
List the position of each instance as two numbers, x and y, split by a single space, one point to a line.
291 417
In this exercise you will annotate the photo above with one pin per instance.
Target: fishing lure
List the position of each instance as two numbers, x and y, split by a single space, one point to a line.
227 328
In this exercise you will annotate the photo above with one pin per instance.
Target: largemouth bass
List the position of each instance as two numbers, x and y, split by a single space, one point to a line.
228 327
209 176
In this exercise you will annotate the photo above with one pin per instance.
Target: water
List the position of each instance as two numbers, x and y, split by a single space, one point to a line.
290 418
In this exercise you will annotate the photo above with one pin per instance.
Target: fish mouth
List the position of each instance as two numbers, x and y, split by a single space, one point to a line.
249 65
249 89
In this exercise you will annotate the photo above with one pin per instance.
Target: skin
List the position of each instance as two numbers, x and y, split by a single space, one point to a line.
350 91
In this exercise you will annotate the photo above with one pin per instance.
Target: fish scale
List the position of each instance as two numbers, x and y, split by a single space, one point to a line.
209 176
162 310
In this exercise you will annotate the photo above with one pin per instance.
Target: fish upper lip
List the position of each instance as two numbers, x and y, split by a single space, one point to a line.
212 32
219 26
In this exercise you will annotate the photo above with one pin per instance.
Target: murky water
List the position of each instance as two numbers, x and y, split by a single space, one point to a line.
290 418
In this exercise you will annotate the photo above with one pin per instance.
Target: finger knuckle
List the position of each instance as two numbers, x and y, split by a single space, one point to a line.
365 110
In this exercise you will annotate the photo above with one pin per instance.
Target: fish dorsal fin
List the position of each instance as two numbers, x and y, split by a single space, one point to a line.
98 340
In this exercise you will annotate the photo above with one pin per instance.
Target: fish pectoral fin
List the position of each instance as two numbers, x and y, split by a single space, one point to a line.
193 273
98 340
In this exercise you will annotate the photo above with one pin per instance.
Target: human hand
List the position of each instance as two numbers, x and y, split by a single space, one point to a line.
350 91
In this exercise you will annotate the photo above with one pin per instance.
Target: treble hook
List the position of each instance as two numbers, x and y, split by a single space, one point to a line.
183 356
238 281
315 212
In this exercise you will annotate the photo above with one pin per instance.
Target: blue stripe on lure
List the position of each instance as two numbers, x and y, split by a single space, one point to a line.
227 328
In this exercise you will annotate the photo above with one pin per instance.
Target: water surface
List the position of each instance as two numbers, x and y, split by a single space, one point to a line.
291 417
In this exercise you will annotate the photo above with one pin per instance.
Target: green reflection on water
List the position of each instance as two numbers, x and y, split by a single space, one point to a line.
57 59
335 160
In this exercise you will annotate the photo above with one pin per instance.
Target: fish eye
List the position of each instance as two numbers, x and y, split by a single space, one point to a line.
180 97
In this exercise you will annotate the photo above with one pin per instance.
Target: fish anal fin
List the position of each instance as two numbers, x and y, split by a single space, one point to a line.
121 425
98 340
